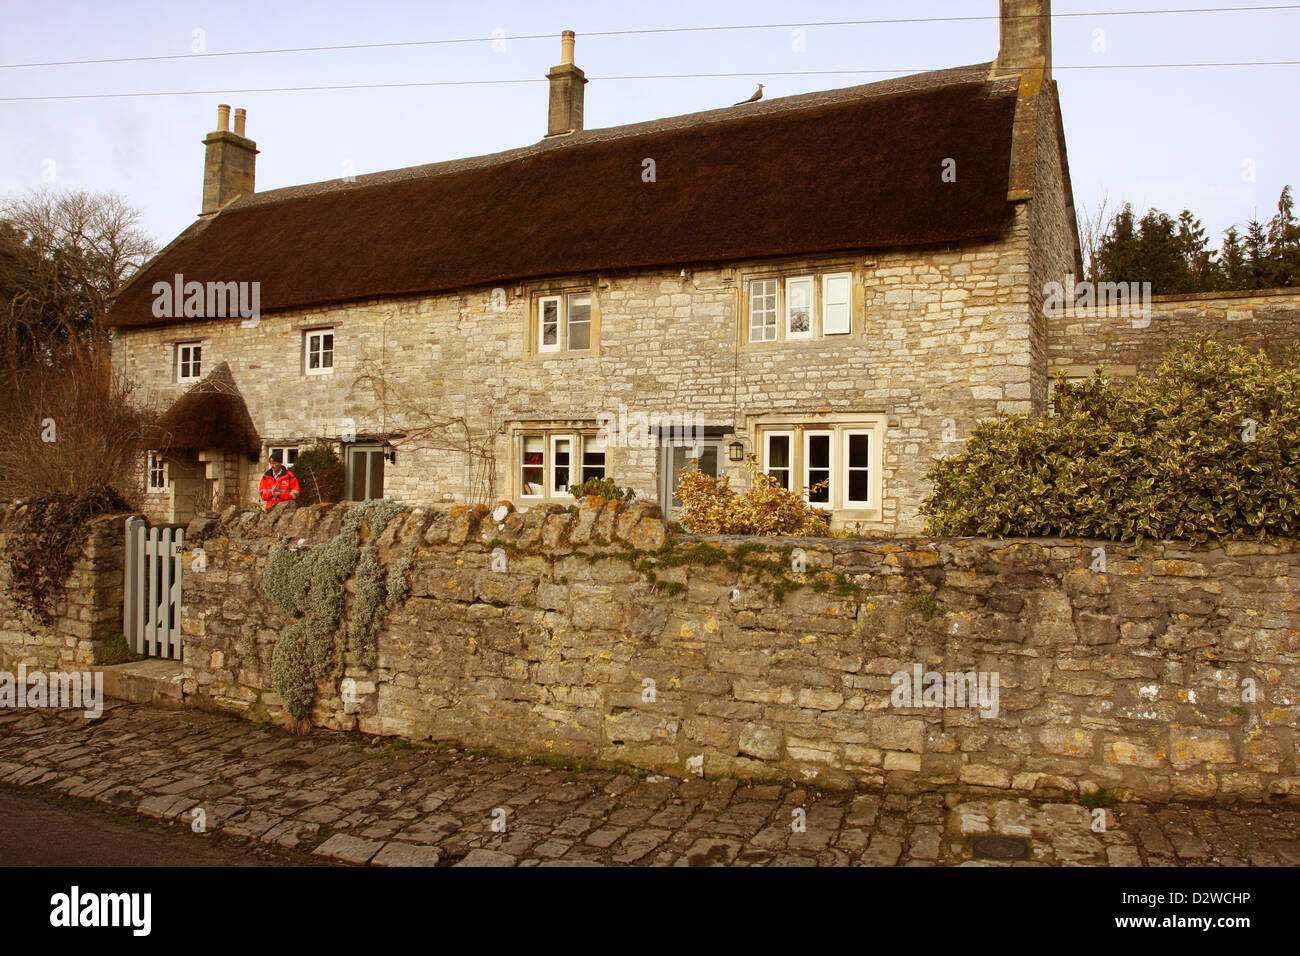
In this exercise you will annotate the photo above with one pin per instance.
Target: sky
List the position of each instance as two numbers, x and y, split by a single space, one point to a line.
1220 141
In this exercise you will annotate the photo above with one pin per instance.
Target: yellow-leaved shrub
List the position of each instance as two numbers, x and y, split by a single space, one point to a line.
710 506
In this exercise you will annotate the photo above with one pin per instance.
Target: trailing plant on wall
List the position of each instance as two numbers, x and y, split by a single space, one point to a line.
51 537
310 585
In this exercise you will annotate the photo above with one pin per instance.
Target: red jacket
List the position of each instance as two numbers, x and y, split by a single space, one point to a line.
276 489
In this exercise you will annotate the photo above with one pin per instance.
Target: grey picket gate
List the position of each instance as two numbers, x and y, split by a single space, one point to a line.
151 594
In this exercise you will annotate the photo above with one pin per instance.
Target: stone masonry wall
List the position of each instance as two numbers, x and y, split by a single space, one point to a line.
1267 319
941 339
1137 678
88 614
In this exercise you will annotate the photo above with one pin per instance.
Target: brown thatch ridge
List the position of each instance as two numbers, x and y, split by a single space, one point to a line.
210 416
858 168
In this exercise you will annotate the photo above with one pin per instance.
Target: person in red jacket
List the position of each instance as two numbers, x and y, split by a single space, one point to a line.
278 483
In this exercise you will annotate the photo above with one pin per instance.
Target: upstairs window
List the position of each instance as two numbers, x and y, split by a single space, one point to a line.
189 362
762 310
800 307
320 351
564 323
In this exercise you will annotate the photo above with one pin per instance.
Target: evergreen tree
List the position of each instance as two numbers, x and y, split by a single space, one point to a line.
1232 261
1258 267
1284 243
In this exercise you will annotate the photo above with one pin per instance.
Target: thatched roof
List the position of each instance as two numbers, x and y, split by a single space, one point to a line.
211 415
852 169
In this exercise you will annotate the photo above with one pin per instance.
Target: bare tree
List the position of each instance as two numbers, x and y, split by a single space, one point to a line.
68 422
65 256
1094 224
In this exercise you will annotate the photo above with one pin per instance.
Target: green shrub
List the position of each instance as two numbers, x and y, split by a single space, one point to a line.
320 475
604 487
1204 449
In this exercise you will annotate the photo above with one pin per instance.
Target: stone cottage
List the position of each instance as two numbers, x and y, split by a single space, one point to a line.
840 284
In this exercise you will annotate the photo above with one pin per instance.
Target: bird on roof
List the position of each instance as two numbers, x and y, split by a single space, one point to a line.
758 95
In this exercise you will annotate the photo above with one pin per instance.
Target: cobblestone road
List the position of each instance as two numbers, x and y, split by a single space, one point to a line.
356 800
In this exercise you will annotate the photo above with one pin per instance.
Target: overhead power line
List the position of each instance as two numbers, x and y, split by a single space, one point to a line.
646 76
640 32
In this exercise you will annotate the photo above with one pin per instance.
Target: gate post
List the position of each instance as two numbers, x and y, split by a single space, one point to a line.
133 584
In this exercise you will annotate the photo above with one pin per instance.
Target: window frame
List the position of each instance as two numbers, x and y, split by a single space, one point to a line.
775 310
827 277
806 466
559 323
153 460
854 504
874 424
604 457
195 359
568 320
318 333
810 283
541 466
789 468
785 279
555 439
286 451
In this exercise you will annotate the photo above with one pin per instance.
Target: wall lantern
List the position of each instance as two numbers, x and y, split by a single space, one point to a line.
736 451
391 455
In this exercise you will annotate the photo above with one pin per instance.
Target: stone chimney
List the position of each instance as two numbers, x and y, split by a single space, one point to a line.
567 81
1026 38
228 167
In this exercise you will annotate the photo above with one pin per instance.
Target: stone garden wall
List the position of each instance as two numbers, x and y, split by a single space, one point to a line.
1156 671
84 619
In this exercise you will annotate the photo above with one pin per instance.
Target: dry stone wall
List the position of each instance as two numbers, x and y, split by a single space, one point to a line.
1130 345
85 617
1159 671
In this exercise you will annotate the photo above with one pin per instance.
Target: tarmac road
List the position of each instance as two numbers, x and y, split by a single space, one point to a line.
38 831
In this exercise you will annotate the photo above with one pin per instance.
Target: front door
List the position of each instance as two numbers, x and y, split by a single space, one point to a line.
704 455
364 472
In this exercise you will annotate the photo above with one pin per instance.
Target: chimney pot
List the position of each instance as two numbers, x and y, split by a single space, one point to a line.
567 81
229 164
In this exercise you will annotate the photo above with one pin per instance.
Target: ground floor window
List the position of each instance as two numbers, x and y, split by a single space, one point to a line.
289 454
156 467
835 463
549 462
